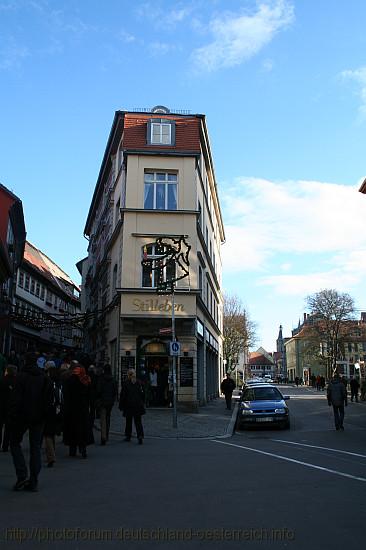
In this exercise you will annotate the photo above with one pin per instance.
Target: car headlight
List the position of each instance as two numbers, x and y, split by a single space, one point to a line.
280 411
246 411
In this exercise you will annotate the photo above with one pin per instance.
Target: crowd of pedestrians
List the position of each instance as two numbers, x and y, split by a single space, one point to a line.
50 395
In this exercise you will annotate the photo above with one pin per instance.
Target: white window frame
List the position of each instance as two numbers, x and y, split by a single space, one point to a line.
166 183
158 140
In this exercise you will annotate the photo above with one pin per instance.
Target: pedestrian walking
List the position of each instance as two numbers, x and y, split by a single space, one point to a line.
28 411
106 395
355 386
363 390
317 383
53 425
3 363
7 386
132 404
227 387
337 397
77 430
94 373
322 383
297 381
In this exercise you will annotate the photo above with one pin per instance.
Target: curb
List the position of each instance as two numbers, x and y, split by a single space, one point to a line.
228 433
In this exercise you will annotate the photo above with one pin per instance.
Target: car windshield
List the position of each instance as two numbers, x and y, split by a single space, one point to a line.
262 394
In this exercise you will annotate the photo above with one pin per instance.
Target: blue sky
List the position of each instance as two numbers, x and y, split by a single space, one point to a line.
283 86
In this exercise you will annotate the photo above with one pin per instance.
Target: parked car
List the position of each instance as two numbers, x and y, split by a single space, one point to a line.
263 404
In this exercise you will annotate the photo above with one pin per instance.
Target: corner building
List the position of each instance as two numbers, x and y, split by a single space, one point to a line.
156 180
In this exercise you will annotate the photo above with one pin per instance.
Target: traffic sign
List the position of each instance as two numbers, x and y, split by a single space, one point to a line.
175 348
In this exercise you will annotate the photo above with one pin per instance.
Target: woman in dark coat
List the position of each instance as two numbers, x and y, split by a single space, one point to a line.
131 403
78 431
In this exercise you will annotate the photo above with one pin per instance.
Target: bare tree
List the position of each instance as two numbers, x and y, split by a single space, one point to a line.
330 310
239 330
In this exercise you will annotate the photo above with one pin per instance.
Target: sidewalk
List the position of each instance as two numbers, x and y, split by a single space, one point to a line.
212 421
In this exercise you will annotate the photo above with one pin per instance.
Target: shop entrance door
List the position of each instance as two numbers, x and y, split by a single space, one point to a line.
157 387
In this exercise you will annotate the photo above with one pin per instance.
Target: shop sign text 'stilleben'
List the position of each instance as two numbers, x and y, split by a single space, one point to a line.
156 305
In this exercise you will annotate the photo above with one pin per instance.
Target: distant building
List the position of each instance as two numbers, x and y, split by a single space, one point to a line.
156 180
45 305
306 353
261 363
12 239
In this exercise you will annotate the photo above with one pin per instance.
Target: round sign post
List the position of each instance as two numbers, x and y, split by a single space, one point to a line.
174 367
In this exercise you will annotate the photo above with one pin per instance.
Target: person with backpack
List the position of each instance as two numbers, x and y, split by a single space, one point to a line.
28 411
106 394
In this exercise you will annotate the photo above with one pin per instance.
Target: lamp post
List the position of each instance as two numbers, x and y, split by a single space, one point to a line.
171 251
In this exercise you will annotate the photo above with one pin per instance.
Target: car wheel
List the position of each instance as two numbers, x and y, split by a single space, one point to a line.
287 425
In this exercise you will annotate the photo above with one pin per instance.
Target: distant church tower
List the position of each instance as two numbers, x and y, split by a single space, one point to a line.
281 349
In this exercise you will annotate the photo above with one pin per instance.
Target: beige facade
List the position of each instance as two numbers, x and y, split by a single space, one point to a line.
146 191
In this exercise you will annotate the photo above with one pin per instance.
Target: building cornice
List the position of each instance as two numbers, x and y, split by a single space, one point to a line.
157 212
162 152
127 290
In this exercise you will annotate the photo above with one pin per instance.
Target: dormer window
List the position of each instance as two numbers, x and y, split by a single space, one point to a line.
161 132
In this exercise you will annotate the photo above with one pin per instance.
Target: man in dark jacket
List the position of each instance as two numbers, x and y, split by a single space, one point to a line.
132 404
106 394
227 388
28 410
355 386
337 396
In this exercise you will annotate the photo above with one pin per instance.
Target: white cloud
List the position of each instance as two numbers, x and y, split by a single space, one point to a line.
126 36
160 48
322 222
12 54
359 76
238 37
302 285
267 65
163 18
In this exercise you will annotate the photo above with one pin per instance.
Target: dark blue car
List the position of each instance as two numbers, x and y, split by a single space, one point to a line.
263 405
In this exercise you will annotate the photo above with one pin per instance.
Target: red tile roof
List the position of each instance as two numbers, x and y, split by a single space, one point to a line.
187 135
39 261
256 358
